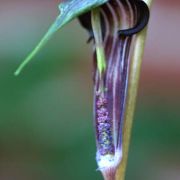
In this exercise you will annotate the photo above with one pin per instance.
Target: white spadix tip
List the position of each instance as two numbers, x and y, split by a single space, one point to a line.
109 161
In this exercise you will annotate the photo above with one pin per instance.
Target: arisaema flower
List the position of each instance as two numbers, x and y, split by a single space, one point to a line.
112 26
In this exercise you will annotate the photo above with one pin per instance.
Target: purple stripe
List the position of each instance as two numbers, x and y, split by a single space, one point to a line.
111 89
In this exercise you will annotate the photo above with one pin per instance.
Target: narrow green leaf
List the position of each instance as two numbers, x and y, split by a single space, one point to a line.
69 10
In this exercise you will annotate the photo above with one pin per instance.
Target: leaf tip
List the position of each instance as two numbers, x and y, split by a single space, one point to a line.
16 73
18 70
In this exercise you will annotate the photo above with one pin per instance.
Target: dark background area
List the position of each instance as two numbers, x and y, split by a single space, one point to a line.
46 129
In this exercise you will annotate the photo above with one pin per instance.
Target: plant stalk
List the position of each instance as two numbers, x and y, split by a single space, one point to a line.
134 75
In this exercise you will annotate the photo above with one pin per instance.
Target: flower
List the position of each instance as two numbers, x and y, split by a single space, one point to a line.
111 25
119 21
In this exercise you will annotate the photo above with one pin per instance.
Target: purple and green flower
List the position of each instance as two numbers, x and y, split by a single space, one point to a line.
112 26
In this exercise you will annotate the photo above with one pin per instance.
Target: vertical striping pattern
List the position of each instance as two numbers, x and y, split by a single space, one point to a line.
120 20
110 89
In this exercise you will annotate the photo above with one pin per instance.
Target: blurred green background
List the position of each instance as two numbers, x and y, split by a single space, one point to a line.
46 127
